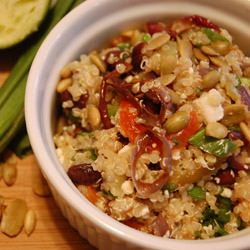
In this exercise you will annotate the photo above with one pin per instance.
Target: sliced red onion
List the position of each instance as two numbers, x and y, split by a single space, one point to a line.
144 190
245 98
164 98
160 226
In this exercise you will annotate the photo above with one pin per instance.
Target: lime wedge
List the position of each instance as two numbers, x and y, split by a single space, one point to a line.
20 18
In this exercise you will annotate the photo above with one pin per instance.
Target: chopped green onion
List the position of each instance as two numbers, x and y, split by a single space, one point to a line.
197 193
219 148
123 46
213 36
146 37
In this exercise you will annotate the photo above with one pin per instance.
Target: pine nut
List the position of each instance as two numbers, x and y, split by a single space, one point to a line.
94 117
30 222
245 130
63 85
13 217
101 65
40 186
9 173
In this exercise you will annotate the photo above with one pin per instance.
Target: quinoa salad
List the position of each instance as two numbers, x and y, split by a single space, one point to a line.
154 129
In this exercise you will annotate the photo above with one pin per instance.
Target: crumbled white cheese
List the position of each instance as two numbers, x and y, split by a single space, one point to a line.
226 193
210 106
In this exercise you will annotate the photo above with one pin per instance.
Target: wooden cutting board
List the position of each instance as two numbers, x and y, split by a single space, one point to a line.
52 229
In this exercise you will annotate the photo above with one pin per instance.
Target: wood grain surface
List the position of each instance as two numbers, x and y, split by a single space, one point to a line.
52 229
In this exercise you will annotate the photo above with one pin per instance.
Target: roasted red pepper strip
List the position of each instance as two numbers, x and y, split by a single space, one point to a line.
128 114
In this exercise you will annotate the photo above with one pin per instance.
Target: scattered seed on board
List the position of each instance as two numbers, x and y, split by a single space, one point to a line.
40 186
2 206
9 173
13 217
1 170
30 222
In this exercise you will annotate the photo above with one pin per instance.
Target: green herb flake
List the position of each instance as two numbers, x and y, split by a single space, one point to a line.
175 140
197 193
112 109
208 216
219 148
213 36
123 46
198 91
220 232
171 187
223 217
224 203
234 128
146 37
244 81
197 235
93 154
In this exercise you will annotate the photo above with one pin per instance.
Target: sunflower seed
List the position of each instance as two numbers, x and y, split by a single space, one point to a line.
1 206
40 186
9 173
30 222
13 217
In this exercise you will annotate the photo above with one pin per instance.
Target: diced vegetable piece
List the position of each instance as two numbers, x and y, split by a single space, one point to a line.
219 148
197 193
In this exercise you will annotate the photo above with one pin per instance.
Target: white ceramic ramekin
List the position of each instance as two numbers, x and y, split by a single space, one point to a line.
80 31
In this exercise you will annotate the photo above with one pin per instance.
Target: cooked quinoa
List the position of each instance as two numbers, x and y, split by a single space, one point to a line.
154 129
